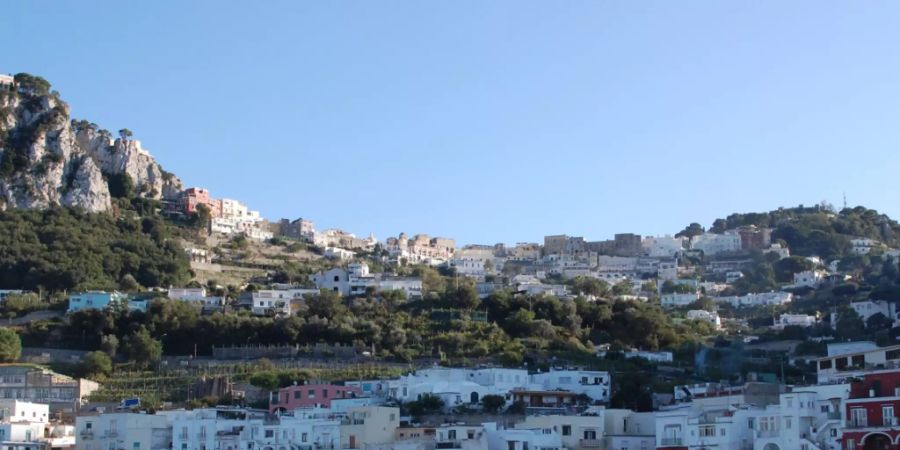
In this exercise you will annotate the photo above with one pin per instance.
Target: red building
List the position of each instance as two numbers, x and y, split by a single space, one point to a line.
872 409
310 395
193 197
755 238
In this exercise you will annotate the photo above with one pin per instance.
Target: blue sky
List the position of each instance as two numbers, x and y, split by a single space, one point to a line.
489 121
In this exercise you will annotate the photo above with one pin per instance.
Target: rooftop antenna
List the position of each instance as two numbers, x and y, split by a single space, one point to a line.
845 200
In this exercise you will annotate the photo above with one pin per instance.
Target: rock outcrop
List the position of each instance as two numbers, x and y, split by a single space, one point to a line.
47 159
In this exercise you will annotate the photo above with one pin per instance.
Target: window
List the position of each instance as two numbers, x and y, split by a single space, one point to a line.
858 417
887 413
787 423
567 430
790 403
136 446
311 394
304 437
324 393
590 434
451 435
298 395
721 432
707 431
851 444
270 433
825 364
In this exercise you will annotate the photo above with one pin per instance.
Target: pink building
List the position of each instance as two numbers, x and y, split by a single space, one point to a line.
192 197
309 395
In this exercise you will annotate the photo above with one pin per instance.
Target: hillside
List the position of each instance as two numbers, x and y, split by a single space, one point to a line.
814 231
48 159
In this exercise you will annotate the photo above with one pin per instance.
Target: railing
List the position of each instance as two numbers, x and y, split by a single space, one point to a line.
671 441
591 443
767 433
111 434
858 424
87 434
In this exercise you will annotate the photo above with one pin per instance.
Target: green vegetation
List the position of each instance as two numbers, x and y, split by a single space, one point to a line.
10 345
68 249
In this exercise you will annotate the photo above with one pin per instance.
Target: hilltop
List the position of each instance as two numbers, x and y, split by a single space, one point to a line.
48 159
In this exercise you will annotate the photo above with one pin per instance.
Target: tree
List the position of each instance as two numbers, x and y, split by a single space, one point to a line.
582 285
427 404
10 345
142 349
694 229
109 344
879 321
16 305
201 217
96 363
35 84
492 404
849 324
125 134
265 380
622 288
785 268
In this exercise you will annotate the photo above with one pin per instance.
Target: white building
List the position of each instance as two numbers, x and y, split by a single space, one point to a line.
663 246
557 290
522 438
469 266
676 299
410 286
237 428
628 430
868 308
574 431
339 254
809 278
457 386
122 431
706 316
196 296
863 246
853 359
757 299
808 418
712 244
782 252
594 384
796 320
278 302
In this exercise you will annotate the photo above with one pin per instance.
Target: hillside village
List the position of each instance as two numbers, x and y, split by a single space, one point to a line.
140 314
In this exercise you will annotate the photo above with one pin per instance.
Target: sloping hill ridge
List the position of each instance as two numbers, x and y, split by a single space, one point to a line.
47 159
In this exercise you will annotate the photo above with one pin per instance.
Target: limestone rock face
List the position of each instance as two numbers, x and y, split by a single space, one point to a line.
47 159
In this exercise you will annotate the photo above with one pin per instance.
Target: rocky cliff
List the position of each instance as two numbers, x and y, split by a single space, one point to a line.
46 158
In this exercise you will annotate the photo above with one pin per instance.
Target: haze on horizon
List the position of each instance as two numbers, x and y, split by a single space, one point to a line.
494 121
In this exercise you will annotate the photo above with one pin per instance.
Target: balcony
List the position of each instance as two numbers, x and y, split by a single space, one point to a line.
111 434
767 433
87 434
671 442
591 443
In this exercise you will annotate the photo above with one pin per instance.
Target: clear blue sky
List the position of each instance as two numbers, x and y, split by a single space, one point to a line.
489 121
